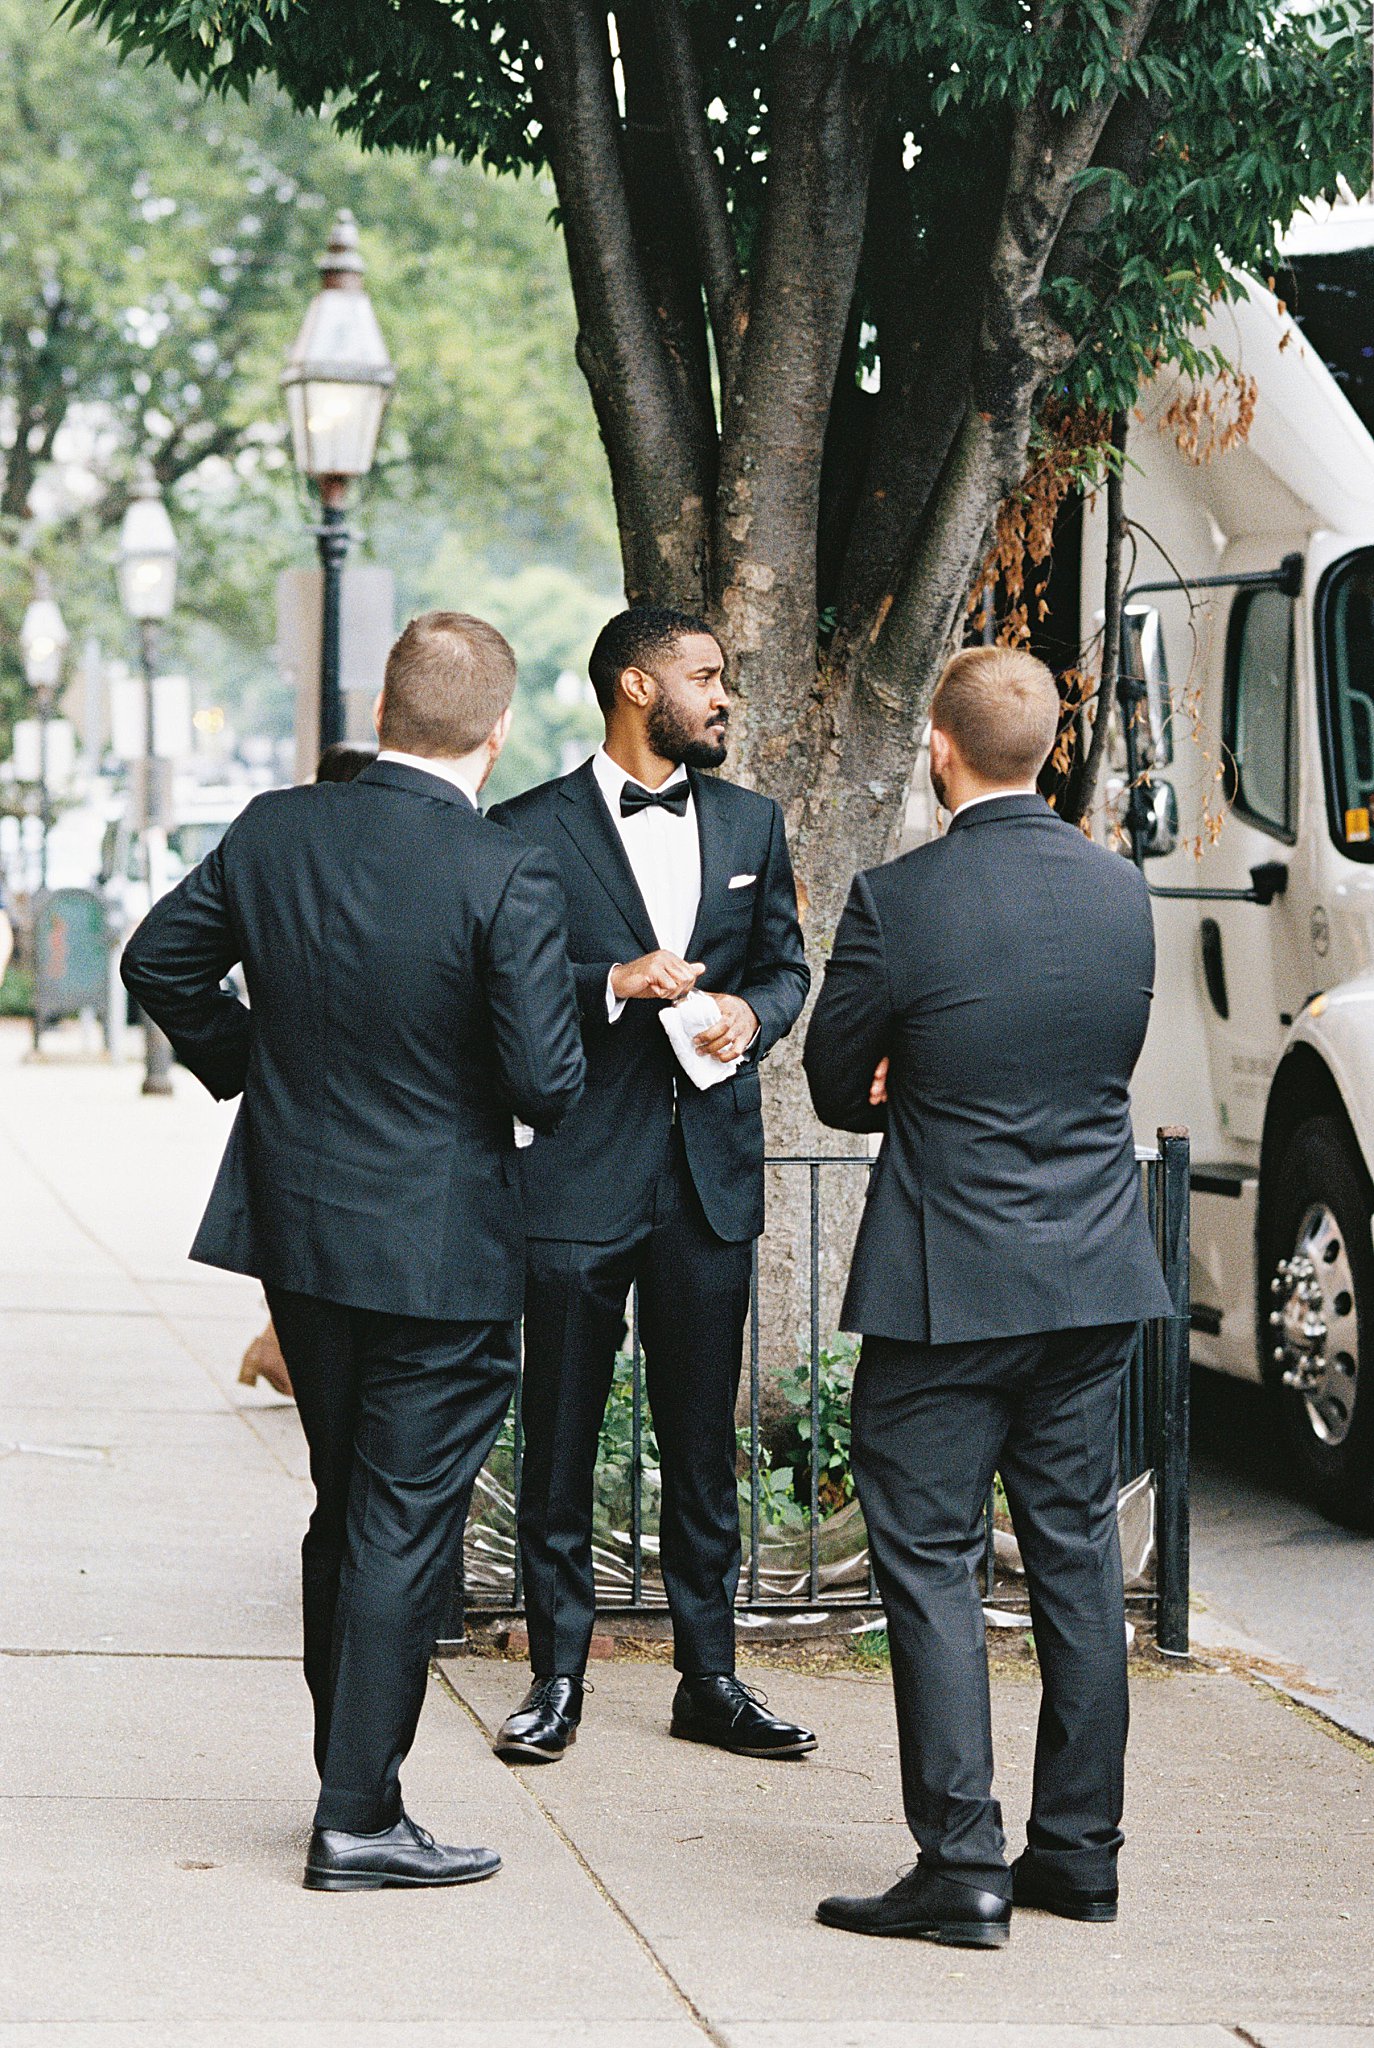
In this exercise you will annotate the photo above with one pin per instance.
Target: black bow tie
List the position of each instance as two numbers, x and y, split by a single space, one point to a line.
635 797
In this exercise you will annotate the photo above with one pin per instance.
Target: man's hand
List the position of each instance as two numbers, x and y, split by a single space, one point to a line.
877 1087
736 1030
655 974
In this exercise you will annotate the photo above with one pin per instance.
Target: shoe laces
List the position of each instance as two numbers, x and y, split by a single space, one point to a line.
743 1694
542 1687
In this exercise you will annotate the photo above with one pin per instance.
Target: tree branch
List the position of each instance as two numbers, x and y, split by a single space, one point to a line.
658 204
928 323
1019 350
1127 140
824 108
1082 790
38 401
703 184
653 452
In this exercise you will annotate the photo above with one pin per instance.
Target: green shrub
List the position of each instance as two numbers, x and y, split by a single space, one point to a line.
838 1359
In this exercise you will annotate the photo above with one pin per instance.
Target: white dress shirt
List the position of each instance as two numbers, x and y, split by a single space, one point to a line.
664 852
447 771
990 796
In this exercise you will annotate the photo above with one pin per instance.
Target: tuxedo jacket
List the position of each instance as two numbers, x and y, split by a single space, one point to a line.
593 1181
1007 970
410 995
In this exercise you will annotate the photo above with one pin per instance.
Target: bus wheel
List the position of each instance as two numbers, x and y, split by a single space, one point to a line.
1321 1317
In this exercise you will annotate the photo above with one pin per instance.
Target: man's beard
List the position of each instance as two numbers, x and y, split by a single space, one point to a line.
673 740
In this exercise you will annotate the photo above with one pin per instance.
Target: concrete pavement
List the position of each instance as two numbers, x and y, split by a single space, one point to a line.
1282 1585
155 1786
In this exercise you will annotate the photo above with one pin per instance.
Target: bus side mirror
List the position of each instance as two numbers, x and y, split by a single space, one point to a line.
1143 662
1157 815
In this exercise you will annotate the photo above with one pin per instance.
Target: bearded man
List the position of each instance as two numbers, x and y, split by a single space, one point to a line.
676 883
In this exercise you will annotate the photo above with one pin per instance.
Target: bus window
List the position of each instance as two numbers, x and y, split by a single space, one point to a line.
1346 639
1259 709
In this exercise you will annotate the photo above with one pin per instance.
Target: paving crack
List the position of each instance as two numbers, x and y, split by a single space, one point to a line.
555 1826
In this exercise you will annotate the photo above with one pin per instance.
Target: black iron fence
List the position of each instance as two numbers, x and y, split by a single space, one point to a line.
805 1548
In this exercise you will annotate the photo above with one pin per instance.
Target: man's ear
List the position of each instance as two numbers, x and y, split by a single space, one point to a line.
377 712
639 686
939 752
500 732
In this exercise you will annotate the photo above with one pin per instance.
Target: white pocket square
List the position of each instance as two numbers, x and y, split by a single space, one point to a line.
742 881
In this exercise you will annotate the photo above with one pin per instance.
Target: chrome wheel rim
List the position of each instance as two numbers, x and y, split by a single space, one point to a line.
1316 1336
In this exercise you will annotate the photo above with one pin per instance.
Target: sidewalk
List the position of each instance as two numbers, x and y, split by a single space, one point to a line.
156 1788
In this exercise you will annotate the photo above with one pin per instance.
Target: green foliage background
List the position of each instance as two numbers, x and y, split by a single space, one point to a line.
1262 103
156 256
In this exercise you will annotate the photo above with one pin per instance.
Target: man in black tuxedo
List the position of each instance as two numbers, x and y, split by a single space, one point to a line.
411 997
984 1006
673 879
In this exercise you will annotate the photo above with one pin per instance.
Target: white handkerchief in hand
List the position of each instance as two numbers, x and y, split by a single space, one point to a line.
683 1021
524 1134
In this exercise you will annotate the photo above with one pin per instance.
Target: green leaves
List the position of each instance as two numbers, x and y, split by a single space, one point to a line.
156 256
1268 108
1246 108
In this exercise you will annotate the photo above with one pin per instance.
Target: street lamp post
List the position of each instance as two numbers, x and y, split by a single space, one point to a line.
43 639
336 382
147 588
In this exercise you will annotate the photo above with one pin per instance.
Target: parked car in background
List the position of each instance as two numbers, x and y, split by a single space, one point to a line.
203 814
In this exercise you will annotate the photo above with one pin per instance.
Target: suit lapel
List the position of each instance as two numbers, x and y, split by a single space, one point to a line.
591 828
713 832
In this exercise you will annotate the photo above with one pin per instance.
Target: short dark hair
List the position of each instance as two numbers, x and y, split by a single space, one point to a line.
632 639
342 760
448 679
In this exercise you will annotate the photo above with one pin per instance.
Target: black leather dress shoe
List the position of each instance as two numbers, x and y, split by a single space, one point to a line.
1032 1886
544 1723
403 1855
725 1712
924 1906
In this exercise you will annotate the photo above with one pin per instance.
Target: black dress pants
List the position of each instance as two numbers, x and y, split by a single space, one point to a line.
693 1301
399 1413
931 1424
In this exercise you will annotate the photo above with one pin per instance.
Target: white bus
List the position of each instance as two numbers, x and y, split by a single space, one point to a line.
1251 627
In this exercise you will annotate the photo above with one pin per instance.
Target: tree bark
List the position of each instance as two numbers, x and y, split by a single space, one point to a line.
703 186
652 439
912 478
825 113
1019 351
928 319
659 212
1082 789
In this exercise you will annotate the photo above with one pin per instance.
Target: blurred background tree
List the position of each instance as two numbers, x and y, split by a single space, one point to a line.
155 260
853 279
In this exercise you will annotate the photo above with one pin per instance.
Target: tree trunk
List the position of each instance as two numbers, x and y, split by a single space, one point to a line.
833 654
1082 790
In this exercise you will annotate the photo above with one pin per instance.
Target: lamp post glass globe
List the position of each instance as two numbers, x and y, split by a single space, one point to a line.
43 639
338 374
337 378
147 553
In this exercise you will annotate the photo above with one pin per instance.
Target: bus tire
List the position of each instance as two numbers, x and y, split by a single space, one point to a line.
1317 1316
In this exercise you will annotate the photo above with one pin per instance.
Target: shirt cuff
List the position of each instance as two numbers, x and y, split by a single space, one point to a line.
614 1003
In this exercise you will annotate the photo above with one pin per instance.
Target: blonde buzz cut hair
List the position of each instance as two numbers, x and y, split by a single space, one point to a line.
448 679
1000 707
